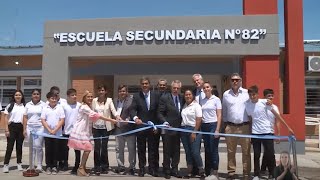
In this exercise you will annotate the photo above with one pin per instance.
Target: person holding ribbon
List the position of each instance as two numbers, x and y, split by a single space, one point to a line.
211 122
32 123
102 129
123 104
144 110
263 118
81 132
169 113
191 120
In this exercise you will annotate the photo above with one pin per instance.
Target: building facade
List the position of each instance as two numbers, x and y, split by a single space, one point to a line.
84 53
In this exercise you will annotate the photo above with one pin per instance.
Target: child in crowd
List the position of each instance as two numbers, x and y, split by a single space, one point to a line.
52 118
13 122
263 118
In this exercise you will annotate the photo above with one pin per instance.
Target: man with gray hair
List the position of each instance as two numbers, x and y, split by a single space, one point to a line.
169 113
237 122
198 91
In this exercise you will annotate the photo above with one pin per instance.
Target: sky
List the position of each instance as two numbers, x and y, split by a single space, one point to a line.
22 22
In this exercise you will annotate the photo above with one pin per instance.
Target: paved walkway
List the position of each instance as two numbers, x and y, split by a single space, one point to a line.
309 164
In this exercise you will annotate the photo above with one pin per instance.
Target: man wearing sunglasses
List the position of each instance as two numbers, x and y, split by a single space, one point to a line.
237 122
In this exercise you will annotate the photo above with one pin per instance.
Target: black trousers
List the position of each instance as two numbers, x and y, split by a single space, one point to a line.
16 135
144 138
52 150
65 152
268 145
171 153
101 148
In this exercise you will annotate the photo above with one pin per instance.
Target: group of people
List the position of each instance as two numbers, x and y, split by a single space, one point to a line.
200 109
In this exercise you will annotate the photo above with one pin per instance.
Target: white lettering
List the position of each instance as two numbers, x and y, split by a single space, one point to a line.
190 35
63 37
90 38
117 36
72 37
81 37
100 36
139 36
229 34
106 37
180 34
130 36
200 34
159 37
170 35
215 34
148 35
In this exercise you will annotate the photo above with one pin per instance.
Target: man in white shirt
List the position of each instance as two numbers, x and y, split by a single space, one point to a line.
263 118
237 122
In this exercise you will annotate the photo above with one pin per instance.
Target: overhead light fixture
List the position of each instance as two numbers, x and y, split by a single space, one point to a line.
16 62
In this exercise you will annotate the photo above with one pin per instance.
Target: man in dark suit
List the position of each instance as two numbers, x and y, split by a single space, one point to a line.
143 109
162 87
169 114
122 105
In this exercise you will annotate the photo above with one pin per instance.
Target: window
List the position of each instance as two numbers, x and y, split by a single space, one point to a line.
7 87
312 101
28 84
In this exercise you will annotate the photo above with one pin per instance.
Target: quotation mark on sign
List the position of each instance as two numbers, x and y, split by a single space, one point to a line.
56 37
262 31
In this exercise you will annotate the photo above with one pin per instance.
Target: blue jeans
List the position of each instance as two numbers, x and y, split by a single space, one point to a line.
192 149
211 146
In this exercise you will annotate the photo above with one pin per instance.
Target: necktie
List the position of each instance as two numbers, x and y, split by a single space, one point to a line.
147 102
176 102
200 97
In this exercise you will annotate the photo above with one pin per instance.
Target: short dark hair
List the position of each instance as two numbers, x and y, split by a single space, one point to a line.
71 91
122 86
55 88
144 79
267 91
51 94
100 86
253 89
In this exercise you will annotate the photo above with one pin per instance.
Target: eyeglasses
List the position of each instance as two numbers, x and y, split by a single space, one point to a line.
235 80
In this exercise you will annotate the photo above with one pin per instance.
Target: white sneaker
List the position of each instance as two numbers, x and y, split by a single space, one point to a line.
54 171
212 177
5 168
39 169
20 167
49 171
256 178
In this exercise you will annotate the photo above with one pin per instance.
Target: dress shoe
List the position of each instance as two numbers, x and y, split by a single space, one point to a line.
141 172
105 169
167 176
155 173
131 172
176 174
119 170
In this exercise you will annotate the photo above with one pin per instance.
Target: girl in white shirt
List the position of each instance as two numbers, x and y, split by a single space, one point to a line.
211 121
32 122
13 119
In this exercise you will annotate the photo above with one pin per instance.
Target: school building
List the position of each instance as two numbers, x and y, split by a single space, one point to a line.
84 53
